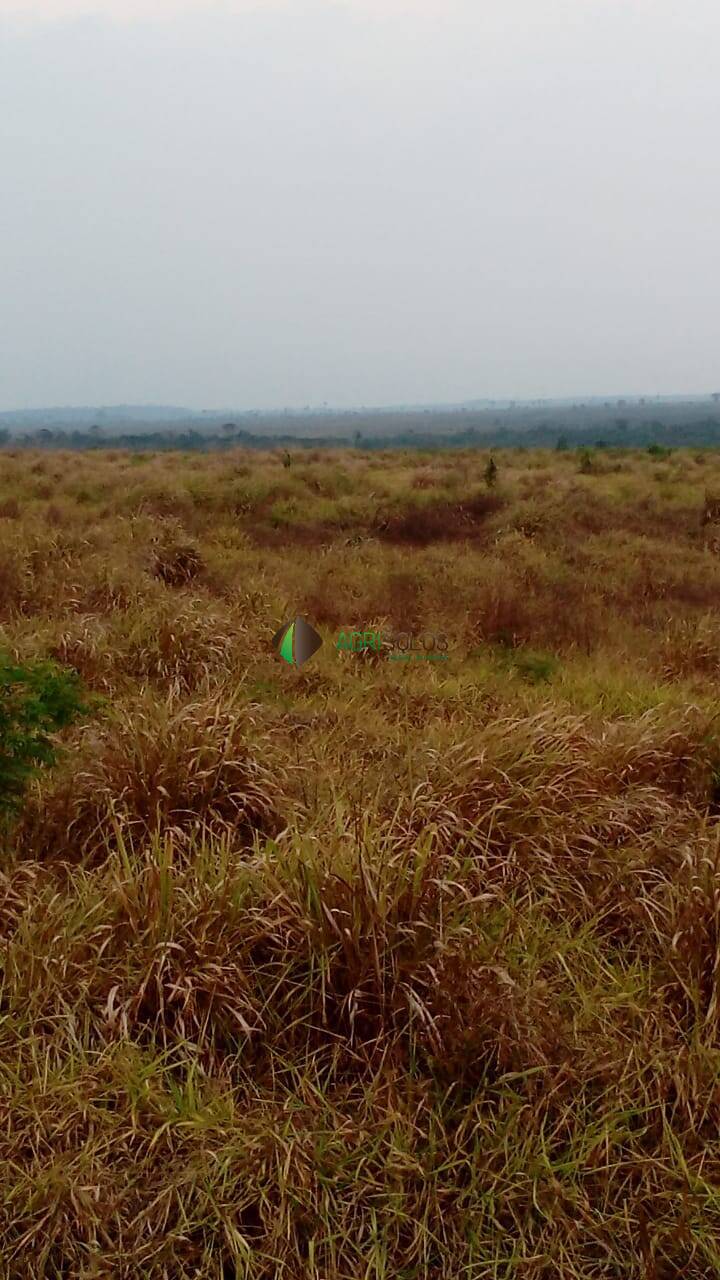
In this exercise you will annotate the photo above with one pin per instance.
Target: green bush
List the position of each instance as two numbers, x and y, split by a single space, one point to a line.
658 451
537 668
35 701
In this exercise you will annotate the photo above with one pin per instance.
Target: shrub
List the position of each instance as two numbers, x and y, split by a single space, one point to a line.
34 702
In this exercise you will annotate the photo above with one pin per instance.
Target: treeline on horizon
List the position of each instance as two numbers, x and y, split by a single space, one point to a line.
620 432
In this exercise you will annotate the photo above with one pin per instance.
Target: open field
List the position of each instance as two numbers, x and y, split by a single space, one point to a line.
371 969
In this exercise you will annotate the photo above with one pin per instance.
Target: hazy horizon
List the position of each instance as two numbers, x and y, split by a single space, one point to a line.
360 204
613 398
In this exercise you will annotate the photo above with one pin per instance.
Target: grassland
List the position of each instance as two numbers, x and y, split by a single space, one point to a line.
368 969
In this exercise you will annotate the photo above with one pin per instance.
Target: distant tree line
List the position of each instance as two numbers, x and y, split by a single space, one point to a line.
618 433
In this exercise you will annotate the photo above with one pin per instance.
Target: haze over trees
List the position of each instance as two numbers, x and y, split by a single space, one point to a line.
642 421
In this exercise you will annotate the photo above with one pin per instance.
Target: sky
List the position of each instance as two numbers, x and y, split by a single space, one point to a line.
357 202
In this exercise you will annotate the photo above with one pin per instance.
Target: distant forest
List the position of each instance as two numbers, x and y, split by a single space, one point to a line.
598 424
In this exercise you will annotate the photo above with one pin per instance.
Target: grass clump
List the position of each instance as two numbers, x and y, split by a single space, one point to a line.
178 766
176 566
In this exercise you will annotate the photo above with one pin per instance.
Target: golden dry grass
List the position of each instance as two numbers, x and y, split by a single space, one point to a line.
369 969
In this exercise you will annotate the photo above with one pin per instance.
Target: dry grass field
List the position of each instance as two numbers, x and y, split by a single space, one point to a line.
371 970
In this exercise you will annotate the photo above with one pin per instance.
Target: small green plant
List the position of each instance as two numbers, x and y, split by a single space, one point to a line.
35 701
536 668
586 463
658 451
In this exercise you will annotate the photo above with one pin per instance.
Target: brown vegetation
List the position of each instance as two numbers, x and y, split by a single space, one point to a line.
372 968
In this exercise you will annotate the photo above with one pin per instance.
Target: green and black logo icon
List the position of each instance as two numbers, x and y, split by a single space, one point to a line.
297 641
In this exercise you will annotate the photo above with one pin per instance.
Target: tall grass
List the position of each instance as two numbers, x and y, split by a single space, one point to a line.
366 969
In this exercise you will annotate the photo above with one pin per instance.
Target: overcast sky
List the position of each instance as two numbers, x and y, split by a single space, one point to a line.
357 201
